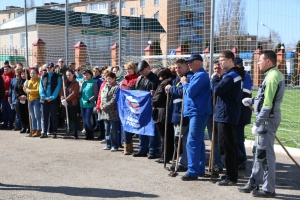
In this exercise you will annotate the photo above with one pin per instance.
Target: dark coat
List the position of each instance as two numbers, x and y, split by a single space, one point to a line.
228 91
19 91
2 90
72 93
159 101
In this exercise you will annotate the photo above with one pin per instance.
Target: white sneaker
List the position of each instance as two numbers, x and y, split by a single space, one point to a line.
83 131
103 141
113 149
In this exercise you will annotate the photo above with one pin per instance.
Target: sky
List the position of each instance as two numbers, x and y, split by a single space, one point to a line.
281 16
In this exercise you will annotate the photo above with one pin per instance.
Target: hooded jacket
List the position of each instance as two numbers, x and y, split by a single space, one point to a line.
228 90
7 78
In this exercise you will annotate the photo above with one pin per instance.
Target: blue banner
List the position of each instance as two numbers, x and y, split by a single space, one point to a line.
135 111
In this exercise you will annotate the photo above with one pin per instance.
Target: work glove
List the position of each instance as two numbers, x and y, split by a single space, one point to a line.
254 130
26 83
247 101
64 102
27 90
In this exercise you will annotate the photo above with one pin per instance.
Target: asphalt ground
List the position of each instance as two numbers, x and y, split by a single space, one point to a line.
34 168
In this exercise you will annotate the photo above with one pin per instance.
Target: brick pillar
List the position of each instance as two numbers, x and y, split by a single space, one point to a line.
257 74
114 51
80 54
235 51
281 62
298 71
149 51
207 59
179 51
38 51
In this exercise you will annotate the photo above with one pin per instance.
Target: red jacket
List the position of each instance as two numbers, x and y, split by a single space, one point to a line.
99 95
129 81
7 78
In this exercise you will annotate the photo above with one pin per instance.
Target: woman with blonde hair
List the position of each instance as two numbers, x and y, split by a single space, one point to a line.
32 90
128 83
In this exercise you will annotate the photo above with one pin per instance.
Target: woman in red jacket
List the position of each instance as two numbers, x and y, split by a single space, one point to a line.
128 83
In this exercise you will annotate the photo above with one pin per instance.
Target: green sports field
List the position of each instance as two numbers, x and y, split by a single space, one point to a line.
289 129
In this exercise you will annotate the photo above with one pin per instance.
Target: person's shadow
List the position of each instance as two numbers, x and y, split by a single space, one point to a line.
76 191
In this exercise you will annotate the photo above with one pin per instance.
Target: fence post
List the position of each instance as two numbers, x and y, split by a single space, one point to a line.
257 74
38 51
80 54
114 51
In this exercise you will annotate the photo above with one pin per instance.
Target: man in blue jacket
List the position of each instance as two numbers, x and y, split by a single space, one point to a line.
176 91
49 89
228 91
245 118
197 106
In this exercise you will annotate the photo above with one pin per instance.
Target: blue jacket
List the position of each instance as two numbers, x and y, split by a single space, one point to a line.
246 112
11 92
176 91
228 91
197 95
49 92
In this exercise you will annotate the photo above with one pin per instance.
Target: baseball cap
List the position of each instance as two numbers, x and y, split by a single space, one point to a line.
50 64
87 71
194 57
238 60
142 65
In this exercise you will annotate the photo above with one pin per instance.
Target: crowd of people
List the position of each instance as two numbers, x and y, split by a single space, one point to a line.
37 101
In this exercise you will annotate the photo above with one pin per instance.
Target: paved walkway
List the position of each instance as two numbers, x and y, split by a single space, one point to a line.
33 168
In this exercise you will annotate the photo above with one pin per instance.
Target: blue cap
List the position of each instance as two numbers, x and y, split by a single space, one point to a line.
50 64
238 60
194 57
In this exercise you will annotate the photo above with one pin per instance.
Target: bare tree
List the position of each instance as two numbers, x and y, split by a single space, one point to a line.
231 23
30 3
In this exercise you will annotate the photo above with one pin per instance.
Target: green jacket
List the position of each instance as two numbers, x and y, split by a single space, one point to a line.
89 93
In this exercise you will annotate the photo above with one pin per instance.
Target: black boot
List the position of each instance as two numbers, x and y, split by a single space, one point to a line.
91 135
24 129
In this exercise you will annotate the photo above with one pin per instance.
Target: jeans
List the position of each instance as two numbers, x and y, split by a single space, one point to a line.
18 123
217 157
86 114
50 108
111 133
35 114
195 147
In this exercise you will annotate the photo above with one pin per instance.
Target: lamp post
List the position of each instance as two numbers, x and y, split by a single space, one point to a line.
270 38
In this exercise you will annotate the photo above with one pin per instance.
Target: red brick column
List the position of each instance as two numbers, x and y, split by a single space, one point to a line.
114 51
38 51
235 51
257 74
149 51
80 54
179 51
281 61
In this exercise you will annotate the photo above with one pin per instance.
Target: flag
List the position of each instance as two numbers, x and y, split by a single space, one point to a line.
135 111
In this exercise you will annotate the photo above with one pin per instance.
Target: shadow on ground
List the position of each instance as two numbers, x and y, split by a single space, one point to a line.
75 191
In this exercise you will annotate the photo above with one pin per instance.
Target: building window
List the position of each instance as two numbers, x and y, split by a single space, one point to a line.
97 6
125 23
86 19
22 40
132 11
156 15
124 5
142 3
156 2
